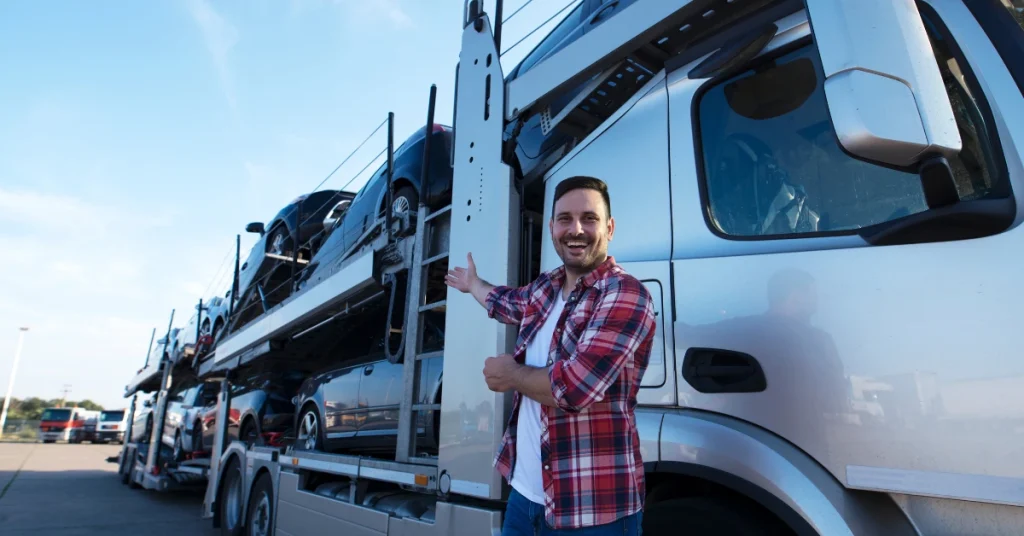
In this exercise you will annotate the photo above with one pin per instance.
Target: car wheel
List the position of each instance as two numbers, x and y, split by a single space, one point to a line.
405 200
197 437
280 242
260 515
248 433
179 448
309 435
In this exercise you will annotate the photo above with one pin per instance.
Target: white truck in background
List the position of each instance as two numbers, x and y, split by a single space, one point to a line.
822 197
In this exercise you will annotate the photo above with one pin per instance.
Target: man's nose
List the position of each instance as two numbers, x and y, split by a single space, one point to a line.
576 227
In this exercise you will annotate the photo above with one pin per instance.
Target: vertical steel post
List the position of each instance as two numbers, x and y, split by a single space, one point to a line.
425 185
391 178
498 6
234 282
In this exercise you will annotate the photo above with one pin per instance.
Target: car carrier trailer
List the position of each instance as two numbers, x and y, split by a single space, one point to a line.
148 463
750 422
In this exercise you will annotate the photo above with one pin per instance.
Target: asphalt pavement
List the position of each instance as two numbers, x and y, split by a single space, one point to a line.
73 490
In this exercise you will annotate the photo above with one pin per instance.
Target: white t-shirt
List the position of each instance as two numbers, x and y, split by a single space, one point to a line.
527 478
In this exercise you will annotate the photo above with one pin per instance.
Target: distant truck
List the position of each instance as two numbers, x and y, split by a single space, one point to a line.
111 426
61 424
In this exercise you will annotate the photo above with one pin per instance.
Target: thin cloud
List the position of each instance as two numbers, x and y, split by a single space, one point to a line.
220 36
363 10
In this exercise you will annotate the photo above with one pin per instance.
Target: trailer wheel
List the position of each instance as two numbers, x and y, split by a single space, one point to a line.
260 516
230 499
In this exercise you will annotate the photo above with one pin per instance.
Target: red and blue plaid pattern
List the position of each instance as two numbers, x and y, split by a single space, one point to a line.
590 448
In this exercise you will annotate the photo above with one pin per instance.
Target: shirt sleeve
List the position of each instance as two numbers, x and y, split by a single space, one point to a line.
622 321
508 304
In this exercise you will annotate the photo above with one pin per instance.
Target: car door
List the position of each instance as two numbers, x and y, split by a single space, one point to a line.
795 315
341 407
174 413
380 394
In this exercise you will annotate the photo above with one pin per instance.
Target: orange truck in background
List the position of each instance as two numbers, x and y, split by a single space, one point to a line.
57 424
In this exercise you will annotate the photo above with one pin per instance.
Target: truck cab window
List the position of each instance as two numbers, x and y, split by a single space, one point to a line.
773 167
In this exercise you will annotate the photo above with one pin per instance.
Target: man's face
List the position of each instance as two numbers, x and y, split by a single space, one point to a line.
581 229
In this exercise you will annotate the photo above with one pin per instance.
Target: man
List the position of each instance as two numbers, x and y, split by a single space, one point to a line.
571 451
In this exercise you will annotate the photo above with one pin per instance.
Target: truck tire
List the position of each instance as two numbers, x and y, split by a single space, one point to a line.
707 516
230 499
259 520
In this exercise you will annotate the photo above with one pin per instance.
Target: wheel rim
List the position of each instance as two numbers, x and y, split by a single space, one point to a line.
260 525
308 431
277 245
400 205
233 501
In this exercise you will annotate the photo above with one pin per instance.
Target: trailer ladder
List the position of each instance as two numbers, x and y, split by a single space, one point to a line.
430 247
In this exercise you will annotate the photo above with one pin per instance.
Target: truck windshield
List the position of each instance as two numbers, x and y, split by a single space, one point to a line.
61 415
108 416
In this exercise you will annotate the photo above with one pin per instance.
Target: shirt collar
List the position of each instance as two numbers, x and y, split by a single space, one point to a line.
595 275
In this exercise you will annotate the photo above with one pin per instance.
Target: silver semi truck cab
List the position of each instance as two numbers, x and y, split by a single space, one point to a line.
821 195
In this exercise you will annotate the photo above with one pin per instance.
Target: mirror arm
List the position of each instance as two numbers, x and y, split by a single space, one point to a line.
937 181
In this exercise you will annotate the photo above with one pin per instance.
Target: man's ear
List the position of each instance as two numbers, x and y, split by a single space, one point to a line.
611 228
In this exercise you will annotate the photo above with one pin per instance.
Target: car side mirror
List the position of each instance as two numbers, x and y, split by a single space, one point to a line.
883 87
255 227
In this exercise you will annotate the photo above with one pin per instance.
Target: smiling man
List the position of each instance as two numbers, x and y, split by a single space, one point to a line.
571 451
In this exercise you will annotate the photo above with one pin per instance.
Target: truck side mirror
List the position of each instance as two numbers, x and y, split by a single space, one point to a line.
255 227
884 91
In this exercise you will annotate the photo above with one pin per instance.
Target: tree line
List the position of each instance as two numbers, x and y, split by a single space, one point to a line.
30 409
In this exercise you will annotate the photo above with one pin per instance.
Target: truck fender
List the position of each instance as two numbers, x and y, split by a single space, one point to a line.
779 476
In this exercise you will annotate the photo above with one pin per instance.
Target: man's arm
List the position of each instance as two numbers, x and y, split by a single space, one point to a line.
502 373
506 305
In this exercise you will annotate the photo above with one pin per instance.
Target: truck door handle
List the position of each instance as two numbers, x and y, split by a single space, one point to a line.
368 370
713 370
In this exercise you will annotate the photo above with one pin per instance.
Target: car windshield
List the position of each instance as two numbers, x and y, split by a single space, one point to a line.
112 415
61 415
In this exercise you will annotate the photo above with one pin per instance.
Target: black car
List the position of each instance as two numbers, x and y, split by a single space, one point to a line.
370 203
261 410
298 224
350 230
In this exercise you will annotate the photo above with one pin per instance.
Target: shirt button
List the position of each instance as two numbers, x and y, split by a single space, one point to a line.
550 361
547 467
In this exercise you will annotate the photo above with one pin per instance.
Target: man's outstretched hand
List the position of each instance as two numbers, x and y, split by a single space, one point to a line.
466 280
461 278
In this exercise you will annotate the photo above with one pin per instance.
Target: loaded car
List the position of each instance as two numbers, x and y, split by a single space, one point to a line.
264 275
354 225
260 411
185 403
535 152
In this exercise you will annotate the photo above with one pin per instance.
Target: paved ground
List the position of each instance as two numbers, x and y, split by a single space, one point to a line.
72 490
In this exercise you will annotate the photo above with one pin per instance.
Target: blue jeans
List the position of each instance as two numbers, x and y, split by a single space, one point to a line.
526 518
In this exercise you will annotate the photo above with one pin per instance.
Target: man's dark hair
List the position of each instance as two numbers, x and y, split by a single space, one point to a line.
580 181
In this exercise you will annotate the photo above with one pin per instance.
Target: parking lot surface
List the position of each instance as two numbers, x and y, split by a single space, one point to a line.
73 490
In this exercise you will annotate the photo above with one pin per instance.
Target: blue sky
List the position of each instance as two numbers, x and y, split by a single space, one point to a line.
138 138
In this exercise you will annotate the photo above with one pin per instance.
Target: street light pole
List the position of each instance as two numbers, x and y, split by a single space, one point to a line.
10 382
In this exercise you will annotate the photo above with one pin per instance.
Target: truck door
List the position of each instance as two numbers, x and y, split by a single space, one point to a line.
640 196
889 360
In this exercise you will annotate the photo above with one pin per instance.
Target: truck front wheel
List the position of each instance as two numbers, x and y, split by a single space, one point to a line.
707 516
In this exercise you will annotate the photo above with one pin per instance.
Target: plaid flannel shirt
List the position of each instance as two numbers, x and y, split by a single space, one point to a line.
590 449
